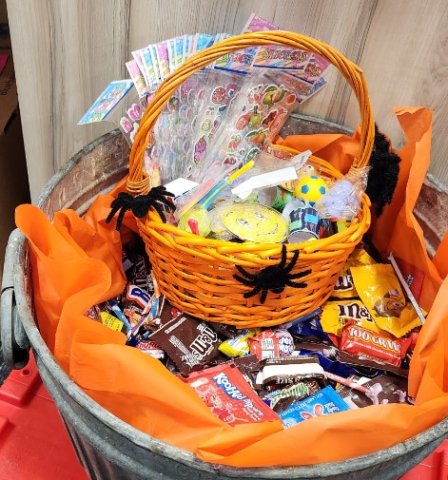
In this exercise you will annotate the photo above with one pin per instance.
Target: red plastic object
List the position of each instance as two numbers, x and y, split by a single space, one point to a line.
433 467
35 445
33 441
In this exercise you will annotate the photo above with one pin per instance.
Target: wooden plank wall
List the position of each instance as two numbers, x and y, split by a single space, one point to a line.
66 51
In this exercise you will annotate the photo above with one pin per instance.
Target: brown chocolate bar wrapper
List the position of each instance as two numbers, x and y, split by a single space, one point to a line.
249 366
287 376
226 331
280 400
190 344
382 389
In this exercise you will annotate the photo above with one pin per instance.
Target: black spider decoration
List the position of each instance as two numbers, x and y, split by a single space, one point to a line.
140 204
273 278
384 171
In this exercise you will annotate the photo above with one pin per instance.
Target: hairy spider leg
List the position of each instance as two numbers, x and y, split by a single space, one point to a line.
282 262
300 274
245 281
295 284
292 263
278 290
159 197
159 210
253 292
264 294
121 217
244 272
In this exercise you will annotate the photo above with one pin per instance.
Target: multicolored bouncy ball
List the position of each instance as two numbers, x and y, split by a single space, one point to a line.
310 188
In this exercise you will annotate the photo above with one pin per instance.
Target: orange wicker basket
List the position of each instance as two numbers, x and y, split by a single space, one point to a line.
197 274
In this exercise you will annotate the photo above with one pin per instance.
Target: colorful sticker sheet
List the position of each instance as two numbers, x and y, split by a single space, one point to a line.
305 65
220 117
155 62
109 98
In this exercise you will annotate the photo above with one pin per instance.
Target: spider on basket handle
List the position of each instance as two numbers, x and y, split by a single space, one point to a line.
140 204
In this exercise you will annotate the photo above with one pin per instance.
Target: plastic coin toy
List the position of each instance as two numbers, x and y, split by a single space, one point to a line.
253 222
310 188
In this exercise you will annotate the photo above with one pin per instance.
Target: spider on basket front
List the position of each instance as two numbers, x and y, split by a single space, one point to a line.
274 278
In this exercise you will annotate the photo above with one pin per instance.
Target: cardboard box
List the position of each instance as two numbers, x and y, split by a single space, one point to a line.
14 188
5 41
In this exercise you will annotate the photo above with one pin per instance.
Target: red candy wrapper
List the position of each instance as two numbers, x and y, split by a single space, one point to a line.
224 389
151 348
271 344
363 343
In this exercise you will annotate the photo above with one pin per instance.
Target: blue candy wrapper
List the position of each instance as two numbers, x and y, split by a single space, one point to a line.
329 365
310 326
323 402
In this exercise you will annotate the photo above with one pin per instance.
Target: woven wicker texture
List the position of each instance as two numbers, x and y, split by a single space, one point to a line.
197 274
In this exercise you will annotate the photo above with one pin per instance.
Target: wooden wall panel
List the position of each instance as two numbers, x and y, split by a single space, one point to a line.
66 51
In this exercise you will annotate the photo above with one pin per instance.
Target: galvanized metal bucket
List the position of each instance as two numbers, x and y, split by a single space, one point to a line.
109 448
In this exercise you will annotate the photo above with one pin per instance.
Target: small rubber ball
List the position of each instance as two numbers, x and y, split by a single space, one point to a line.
310 188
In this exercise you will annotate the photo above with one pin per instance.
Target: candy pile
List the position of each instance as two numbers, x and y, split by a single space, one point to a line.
351 353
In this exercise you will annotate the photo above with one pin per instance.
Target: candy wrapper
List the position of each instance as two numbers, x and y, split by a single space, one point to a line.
239 345
382 389
324 402
345 287
280 400
229 396
335 315
249 366
346 364
310 327
111 321
363 343
151 348
326 357
272 344
381 292
189 343
289 370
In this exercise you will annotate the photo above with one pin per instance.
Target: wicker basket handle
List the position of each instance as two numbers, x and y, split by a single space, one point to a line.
138 179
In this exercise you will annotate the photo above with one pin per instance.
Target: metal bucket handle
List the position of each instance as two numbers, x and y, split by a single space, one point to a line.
14 342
